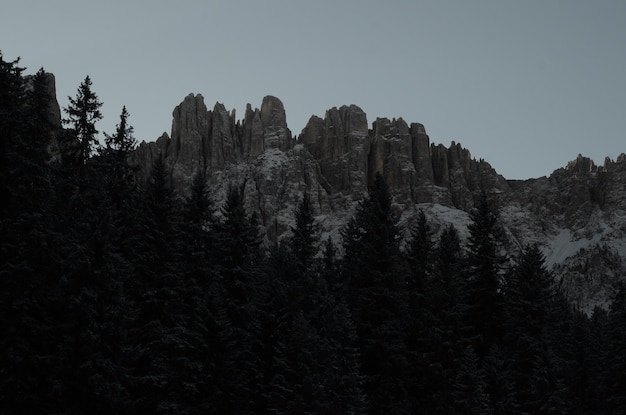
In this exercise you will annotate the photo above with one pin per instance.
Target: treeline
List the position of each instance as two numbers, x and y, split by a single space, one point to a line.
119 297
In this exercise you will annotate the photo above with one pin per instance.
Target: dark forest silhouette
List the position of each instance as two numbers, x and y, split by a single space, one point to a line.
120 297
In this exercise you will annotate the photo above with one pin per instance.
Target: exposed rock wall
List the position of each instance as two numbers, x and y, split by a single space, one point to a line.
577 214
347 153
212 140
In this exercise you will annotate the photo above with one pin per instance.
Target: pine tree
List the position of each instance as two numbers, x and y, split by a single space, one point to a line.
375 289
500 387
12 93
616 360
443 339
163 334
537 372
485 261
241 291
302 241
114 159
419 251
39 134
470 395
199 225
597 357
238 232
83 112
329 270
315 366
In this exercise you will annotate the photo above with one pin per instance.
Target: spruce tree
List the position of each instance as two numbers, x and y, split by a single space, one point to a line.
615 374
485 262
419 252
470 390
239 295
83 112
537 370
302 241
12 91
376 294
199 225
444 335
315 365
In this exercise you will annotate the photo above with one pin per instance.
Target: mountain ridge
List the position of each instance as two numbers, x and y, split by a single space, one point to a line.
581 205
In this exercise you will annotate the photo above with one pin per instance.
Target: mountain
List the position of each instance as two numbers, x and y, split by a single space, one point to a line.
577 214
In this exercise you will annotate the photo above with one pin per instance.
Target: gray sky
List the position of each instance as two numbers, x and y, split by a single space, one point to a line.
526 85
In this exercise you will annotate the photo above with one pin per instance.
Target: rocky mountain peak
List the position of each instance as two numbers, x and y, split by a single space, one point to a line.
578 213
273 112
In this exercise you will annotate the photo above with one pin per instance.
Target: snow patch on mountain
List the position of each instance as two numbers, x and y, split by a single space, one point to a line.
563 246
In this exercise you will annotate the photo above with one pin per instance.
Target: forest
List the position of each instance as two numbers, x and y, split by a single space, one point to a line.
119 296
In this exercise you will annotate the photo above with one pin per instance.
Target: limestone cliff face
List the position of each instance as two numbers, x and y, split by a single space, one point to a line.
577 214
212 140
340 143
334 158
338 155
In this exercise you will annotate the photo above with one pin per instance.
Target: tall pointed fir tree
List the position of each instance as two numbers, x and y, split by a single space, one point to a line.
316 365
237 309
529 314
116 154
199 225
12 93
470 389
594 397
418 253
375 288
82 113
444 340
485 262
615 373
162 338
303 236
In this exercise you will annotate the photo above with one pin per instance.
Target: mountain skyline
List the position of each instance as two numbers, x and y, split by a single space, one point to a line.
527 85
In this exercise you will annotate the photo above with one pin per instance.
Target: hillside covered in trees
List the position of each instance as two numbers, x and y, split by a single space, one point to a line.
120 297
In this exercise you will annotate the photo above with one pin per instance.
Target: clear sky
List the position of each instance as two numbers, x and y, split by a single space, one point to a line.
526 85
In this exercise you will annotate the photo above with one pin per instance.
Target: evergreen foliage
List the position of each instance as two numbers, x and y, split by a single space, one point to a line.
484 262
376 295
615 357
83 112
121 297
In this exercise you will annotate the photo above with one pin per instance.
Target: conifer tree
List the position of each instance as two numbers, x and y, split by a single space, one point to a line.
616 360
531 316
238 232
485 262
83 112
11 124
470 390
199 225
38 137
241 290
419 251
375 289
316 365
597 358
115 157
443 340
302 241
